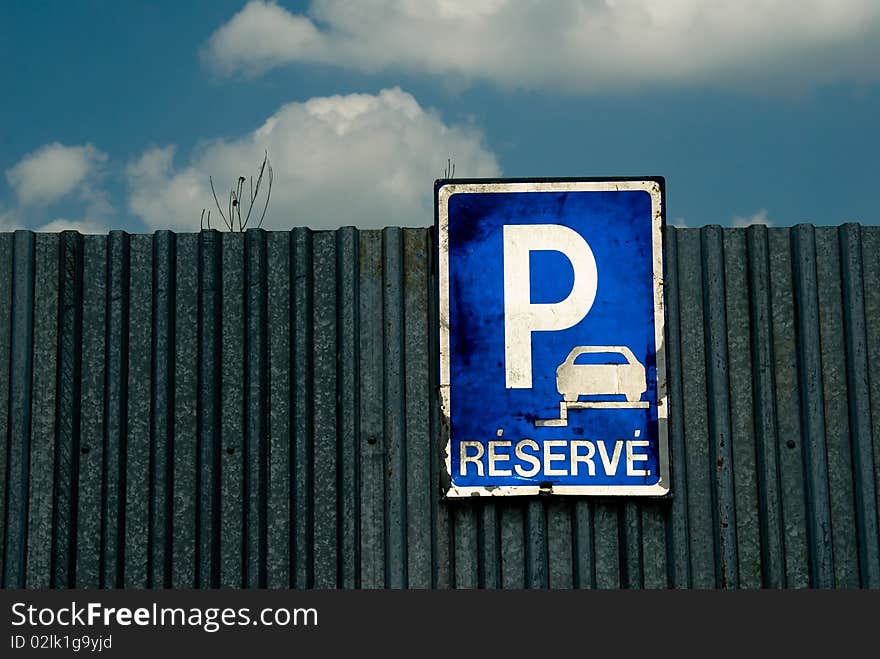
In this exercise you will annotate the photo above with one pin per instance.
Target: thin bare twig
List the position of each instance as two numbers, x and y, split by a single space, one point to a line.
217 202
255 192
268 194
233 215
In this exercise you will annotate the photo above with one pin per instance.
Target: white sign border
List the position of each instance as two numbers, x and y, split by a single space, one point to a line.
655 189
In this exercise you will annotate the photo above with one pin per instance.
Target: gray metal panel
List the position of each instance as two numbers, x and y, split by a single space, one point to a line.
43 432
208 411
19 415
233 541
858 384
136 494
6 272
302 473
763 421
278 504
176 546
869 426
69 374
258 410
92 401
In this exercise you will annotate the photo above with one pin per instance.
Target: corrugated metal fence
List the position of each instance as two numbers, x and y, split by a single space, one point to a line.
203 410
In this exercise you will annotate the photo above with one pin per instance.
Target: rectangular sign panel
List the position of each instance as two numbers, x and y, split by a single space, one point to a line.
552 373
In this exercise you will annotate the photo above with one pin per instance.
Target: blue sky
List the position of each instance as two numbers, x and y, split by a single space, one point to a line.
116 114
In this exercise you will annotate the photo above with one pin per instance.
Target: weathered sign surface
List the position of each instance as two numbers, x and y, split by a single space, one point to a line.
552 371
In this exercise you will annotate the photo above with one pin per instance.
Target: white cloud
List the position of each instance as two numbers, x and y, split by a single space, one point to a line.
83 226
10 220
262 35
54 171
573 45
361 159
165 199
759 217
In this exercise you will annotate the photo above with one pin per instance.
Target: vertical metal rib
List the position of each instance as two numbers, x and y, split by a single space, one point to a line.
764 409
677 516
302 473
466 546
608 542
488 545
791 458
741 404
279 531
513 567
700 467
871 276
256 409
7 271
371 443
208 417
631 572
138 425
115 412
559 544
718 394
162 411
419 554
834 394
67 439
232 466
21 371
348 407
325 457
583 543
395 410
812 406
42 440
93 386
655 551
180 377
537 570
859 398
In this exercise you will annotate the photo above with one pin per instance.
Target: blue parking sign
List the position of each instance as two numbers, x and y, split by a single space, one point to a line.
552 370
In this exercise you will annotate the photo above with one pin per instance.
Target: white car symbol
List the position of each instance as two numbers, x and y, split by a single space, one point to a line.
574 380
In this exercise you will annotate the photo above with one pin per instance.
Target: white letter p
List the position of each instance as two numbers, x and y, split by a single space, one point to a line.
521 317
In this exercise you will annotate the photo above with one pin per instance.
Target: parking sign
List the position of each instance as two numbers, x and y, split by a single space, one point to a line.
552 371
